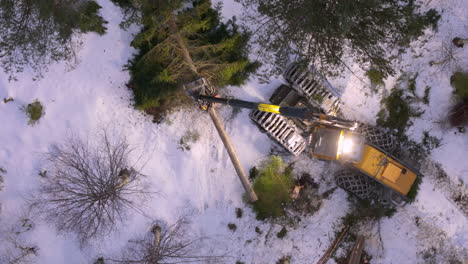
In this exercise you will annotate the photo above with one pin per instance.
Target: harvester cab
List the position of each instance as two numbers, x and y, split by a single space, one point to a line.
332 143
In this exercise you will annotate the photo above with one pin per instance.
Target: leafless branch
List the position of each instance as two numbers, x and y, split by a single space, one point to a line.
170 245
448 59
13 248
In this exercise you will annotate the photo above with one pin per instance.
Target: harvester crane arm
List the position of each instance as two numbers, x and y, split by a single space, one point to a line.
293 112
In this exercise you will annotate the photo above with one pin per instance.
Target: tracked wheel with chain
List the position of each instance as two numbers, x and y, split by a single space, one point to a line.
355 182
378 137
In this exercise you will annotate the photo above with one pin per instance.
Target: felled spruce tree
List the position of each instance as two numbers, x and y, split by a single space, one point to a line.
218 51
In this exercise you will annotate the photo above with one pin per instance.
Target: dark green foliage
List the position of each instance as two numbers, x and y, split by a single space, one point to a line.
273 187
240 262
258 231
186 141
412 97
218 51
459 81
90 20
284 260
99 260
396 114
416 23
389 212
350 237
235 111
397 109
123 3
328 193
282 233
323 31
375 77
412 84
232 227
131 11
37 33
35 111
239 212
430 142
426 97
412 150
253 173
365 210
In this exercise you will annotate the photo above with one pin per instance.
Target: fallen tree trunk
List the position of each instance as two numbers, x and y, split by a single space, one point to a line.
332 248
214 116
356 252
232 154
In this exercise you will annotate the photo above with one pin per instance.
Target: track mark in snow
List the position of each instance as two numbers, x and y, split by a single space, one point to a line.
455 192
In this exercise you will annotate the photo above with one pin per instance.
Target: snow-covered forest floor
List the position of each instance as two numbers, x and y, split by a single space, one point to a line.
200 182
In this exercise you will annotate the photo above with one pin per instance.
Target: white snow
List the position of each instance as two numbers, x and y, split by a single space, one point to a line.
202 183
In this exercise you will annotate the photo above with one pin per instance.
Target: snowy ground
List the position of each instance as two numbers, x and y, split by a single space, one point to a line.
202 183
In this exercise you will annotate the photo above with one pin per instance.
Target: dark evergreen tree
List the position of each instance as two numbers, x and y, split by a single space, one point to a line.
218 51
39 32
322 31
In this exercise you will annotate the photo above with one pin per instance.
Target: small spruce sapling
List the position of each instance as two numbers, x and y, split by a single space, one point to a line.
34 111
282 233
232 227
258 230
239 212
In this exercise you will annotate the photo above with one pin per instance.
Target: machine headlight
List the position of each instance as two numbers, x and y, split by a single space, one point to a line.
350 146
347 146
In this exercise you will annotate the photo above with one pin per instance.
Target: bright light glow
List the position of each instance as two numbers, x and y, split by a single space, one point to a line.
347 146
340 145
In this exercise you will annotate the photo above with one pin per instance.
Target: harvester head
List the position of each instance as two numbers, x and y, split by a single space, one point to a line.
199 87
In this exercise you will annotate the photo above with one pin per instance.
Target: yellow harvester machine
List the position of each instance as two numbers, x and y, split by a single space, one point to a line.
323 135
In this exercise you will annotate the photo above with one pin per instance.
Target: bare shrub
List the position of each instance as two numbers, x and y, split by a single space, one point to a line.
168 245
14 249
89 187
447 58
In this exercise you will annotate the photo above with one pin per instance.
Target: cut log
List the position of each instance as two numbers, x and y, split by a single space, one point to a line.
459 42
156 230
232 154
356 252
296 191
324 259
